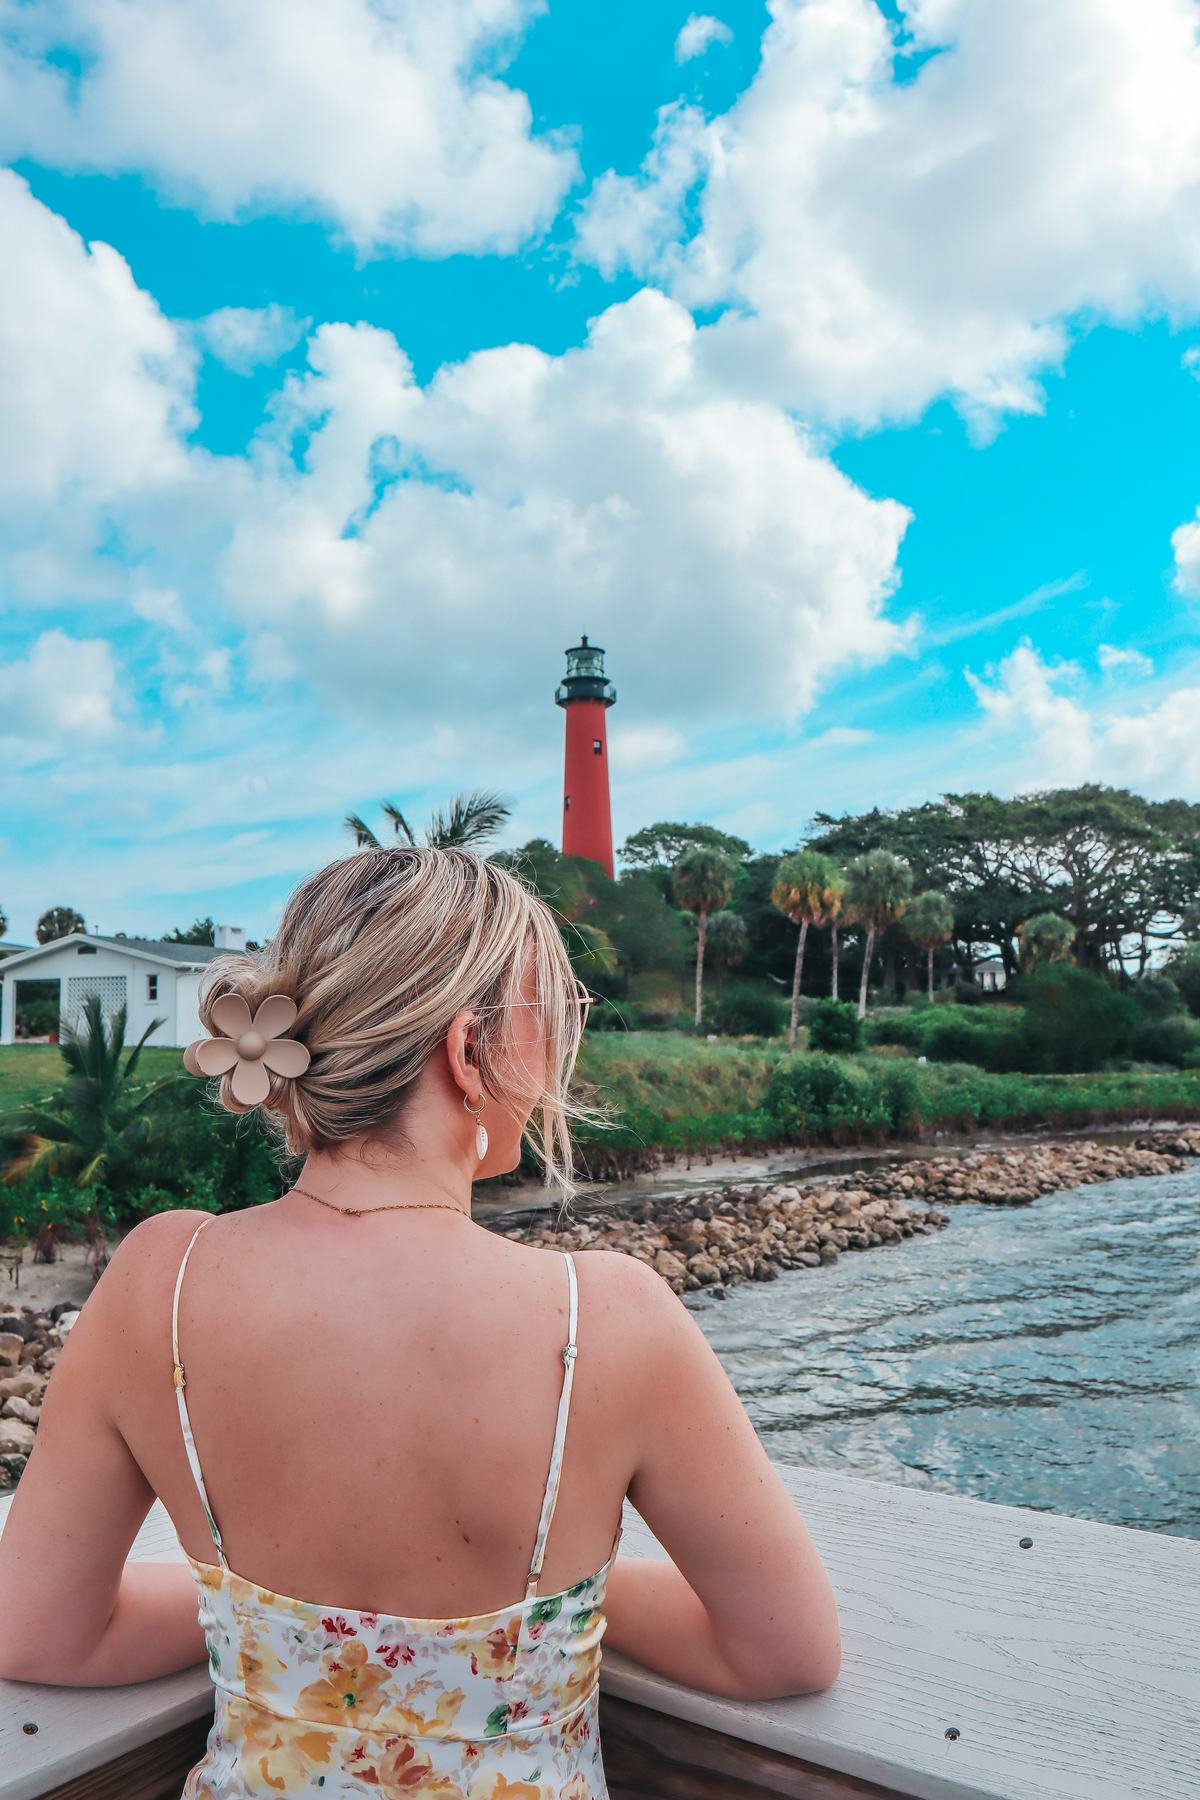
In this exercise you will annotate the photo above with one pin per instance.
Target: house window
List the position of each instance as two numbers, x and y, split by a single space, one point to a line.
85 949
597 747
152 987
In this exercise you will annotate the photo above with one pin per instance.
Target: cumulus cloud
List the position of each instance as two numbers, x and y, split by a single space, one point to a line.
1185 542
245 338
698 33
385 117
390 524
1061 734
64 688
878 242
1112 657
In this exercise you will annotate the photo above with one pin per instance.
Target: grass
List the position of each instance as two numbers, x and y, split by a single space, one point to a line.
33 1071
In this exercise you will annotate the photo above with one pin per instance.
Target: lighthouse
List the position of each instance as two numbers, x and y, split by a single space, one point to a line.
585 695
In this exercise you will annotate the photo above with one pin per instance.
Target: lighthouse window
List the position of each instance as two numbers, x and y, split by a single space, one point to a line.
566 802
597 747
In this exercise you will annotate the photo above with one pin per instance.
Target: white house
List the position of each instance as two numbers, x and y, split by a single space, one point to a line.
150 980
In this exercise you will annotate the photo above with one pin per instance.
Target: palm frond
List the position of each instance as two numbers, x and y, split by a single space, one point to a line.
364 837
38 1153
400 824
469 819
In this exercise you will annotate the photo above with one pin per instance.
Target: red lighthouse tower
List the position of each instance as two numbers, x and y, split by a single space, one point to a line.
587 814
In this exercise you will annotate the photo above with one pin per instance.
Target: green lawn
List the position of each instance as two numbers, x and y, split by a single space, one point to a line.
31 1071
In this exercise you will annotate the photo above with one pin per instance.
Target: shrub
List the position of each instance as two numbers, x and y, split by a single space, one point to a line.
1073 1020
1168 1038
746 1012
611 1015
966 993
834 1026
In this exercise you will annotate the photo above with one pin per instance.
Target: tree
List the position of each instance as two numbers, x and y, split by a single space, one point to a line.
661 846
200 931
3 921
1046 938
929 921
702 881
469 820
877 889
727 940
58 922
99 1117
835 913
807 891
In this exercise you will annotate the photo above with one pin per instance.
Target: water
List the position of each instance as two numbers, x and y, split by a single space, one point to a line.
1047 1356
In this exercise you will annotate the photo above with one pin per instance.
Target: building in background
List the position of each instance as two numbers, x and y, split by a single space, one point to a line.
586 695
150 980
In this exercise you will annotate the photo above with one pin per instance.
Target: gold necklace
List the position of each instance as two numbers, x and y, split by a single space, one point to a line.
358 1212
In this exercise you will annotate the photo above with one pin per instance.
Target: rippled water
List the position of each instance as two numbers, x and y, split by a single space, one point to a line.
1046 1356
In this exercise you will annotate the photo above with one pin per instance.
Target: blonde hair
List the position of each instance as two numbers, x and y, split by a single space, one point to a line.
379 951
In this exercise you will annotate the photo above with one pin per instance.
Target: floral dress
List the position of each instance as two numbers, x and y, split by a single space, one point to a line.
321 1700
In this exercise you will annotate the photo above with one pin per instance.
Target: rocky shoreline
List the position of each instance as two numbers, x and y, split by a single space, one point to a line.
752 1231
709 1240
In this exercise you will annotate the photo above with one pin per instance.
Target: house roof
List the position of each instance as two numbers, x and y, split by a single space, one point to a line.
179 956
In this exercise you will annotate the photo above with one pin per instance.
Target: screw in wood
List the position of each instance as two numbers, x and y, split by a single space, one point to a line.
953 1733
1026 1544
29 1728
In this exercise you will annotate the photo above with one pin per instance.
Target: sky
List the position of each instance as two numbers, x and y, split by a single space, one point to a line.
834 364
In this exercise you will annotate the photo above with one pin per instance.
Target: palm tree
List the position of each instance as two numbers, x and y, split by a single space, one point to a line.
727 940
469 820
702 881
929 921
806 891
878 885
58 922
98 1116
1046 938
834 914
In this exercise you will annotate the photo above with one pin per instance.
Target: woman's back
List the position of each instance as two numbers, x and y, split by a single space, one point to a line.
373 1402
317 1692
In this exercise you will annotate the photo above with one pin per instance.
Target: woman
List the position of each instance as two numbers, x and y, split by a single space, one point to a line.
428 1427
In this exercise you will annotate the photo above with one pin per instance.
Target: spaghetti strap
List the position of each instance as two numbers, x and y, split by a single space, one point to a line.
560 1431
189 1443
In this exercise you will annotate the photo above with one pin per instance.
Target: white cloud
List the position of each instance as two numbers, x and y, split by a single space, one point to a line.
246 337
840 737
1185 541
1112 657
385 117
725 563
878 242
1059 734
1191 360
698 33
636 748
64 689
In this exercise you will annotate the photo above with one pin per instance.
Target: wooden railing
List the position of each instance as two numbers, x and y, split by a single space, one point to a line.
990 1653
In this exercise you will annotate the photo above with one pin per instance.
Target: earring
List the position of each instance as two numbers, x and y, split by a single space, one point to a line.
481 1136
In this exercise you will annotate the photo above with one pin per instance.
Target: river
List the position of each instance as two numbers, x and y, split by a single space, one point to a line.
1047 1356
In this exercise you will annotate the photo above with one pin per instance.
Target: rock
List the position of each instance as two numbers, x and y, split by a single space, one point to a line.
30 1350
672 1268
67 1319
20 1409
11 1347
15 1435
14 1325
703 1267
21 1385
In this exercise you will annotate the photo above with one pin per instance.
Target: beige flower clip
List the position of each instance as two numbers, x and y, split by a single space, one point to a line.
250 1047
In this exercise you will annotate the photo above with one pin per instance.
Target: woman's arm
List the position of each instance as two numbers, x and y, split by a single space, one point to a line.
71 1613
745 1607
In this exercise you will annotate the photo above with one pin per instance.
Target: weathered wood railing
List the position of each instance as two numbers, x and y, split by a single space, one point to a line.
990 1653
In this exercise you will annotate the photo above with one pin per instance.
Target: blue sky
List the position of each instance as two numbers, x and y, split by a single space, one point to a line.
836 365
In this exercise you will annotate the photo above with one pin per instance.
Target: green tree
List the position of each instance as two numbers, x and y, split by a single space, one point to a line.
1184 970
469 820
3 921
727 941
58 922
878 886
661 846
806 891
929 921
99 1118
702 881
200 931
835 913
1046 938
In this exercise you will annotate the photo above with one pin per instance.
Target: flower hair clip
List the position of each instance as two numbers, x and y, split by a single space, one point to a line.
249 1046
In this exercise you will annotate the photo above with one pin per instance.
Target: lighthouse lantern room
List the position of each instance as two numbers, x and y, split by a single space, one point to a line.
585 695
